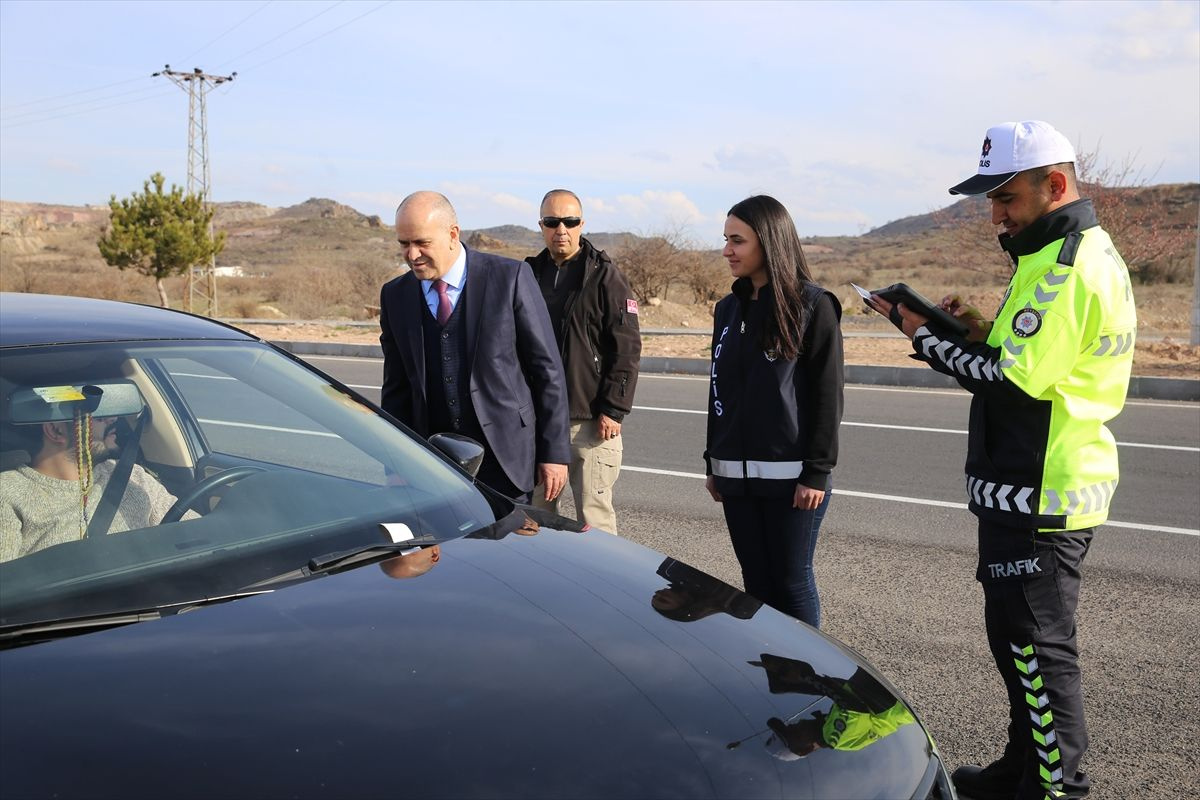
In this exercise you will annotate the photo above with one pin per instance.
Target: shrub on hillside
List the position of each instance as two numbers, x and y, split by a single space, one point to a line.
315 292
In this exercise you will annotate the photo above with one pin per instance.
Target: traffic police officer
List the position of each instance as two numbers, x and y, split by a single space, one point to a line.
1045 376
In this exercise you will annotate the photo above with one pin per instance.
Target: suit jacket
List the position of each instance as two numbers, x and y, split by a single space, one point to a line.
517 386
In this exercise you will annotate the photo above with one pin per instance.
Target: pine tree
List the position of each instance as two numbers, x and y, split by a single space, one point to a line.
160 234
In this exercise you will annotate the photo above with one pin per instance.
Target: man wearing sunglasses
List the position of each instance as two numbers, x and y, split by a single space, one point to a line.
595 320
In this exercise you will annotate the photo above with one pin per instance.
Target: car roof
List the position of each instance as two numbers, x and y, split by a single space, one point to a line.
32 319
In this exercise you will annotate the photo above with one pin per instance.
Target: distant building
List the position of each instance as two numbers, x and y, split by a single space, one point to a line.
225 272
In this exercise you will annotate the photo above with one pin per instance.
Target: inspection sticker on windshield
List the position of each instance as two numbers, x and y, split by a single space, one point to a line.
58 394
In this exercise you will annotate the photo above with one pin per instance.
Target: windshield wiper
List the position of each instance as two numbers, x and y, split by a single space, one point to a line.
45 630
342 558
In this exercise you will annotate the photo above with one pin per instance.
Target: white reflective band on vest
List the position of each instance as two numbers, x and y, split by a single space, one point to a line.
1086 500
772 470
1003 496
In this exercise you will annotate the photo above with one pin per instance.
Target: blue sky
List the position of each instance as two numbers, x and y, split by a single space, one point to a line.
660 115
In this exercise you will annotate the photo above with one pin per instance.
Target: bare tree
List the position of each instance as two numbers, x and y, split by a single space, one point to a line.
1152 234
1154 243
652 263
707 275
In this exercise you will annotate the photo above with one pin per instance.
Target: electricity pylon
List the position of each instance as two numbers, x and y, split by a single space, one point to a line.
201 288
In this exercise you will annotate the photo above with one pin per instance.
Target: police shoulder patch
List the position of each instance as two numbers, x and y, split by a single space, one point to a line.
1027 322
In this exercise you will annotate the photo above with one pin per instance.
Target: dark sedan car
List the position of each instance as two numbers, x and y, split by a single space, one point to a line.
224 574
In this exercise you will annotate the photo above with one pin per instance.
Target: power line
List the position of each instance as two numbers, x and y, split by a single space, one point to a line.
4 124
81 102
285 33
6 110
69 94
245 19
84 111
322 36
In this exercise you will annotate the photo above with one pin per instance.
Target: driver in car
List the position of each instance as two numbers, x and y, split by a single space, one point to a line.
53 498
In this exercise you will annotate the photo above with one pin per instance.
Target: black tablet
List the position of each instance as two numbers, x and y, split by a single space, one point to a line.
914 301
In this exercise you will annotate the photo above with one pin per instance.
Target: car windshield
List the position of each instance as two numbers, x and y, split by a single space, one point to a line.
139 475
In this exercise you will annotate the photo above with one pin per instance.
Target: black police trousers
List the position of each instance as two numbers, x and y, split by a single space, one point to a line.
1030 590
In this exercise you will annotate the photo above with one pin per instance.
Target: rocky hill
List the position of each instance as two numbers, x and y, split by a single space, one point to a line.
321 259
1178 203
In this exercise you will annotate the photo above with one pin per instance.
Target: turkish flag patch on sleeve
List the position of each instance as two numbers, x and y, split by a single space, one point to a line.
631 306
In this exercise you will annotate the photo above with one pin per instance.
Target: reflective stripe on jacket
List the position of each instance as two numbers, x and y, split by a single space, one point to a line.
1054 369
773 422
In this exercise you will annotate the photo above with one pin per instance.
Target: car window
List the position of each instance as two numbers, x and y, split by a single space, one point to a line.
254 420
243 464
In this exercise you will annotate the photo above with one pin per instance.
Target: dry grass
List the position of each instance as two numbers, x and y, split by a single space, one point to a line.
323 261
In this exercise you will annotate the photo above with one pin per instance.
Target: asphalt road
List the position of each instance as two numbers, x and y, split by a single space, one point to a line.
896 560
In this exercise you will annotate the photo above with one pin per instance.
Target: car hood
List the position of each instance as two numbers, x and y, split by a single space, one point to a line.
534 666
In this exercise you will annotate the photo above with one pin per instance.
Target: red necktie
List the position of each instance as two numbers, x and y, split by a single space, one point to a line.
444 309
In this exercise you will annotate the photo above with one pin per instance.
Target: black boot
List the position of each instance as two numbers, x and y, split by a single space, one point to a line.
996 781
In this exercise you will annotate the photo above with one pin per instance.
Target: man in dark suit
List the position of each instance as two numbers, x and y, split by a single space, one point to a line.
468 348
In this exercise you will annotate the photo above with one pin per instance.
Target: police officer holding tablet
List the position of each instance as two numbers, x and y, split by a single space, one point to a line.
1045 375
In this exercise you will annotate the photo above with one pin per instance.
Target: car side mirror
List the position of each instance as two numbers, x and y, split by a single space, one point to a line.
462 450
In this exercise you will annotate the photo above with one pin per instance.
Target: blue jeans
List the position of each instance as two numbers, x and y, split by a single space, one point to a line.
775 543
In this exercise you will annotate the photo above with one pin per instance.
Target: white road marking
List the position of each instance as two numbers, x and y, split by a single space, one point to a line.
858 387
272 428
1137 526
671 410
198 375
914 428
342 358
659 377
919 429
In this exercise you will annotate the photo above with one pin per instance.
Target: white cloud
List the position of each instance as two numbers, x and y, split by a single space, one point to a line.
658 156
653 206
478 205
751 159
598 205
63 165
514 203
366 201
1152 35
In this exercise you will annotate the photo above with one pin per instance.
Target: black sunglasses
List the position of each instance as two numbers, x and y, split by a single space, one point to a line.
553 222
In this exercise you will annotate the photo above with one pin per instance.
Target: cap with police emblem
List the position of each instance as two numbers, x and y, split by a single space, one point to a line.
1013 147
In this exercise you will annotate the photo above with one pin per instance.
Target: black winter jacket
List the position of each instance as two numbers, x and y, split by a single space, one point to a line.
773 423
600 343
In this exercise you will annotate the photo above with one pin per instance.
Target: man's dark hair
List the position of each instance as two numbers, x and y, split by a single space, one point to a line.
567 192
1039 174
787 270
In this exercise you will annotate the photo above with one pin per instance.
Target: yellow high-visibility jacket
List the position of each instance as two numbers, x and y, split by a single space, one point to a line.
1054 369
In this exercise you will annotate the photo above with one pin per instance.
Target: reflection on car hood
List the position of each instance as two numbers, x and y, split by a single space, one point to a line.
533 666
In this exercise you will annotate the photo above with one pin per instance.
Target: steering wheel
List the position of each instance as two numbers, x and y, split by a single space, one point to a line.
205 487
